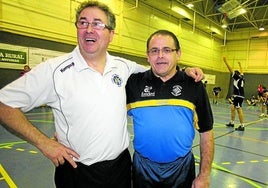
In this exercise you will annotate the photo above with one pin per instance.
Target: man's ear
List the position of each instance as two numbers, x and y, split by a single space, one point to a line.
179 54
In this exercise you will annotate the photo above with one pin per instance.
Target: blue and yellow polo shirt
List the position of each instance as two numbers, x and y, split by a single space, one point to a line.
166 114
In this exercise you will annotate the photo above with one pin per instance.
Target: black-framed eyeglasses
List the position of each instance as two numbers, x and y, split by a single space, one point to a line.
165 50
82 24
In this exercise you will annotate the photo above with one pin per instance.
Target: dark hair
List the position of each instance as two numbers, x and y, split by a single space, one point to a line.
165 32
87 4
237 72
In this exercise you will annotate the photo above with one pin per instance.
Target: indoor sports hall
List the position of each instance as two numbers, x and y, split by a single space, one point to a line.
32 32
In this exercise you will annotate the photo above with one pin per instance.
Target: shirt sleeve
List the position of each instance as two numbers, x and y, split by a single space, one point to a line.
29 91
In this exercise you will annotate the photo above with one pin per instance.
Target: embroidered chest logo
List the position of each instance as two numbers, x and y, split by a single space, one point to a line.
117 80
147 92
67 67
176 90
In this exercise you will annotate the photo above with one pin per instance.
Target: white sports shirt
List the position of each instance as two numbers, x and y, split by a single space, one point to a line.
89 108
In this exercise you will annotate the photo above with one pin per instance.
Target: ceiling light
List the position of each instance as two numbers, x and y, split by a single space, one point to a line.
224 26
181 12
261 29
190 5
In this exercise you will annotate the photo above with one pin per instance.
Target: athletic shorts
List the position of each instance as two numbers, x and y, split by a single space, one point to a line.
177 174
238 101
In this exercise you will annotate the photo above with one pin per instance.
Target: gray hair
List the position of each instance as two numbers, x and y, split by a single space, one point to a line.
110 15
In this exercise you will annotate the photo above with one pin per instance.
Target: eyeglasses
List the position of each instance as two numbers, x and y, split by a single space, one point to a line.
165 50
95 25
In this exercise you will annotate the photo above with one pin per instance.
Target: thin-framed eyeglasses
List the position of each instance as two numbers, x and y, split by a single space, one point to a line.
165 50
82 24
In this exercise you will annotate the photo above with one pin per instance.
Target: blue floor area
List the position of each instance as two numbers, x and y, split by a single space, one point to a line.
241 158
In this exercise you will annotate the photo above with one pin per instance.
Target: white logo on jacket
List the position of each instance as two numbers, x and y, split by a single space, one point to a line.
147 92
176 90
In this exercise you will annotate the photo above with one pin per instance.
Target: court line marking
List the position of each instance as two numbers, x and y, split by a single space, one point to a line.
252 182
7 178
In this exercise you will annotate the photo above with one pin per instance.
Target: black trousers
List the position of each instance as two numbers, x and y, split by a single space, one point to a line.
107 174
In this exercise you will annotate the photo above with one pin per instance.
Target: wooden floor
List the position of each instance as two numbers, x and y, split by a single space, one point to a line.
241 158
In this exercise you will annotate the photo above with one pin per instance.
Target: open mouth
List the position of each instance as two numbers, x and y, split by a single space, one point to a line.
90 40
161 63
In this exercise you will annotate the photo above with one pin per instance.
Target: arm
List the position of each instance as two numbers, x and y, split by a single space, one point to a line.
240 68
140 68
228 66
14 119
207 154
196 73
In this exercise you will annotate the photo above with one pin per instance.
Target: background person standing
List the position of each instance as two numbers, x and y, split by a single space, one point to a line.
216 94
26 69
238 96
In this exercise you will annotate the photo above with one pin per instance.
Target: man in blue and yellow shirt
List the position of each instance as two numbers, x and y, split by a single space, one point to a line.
167 106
